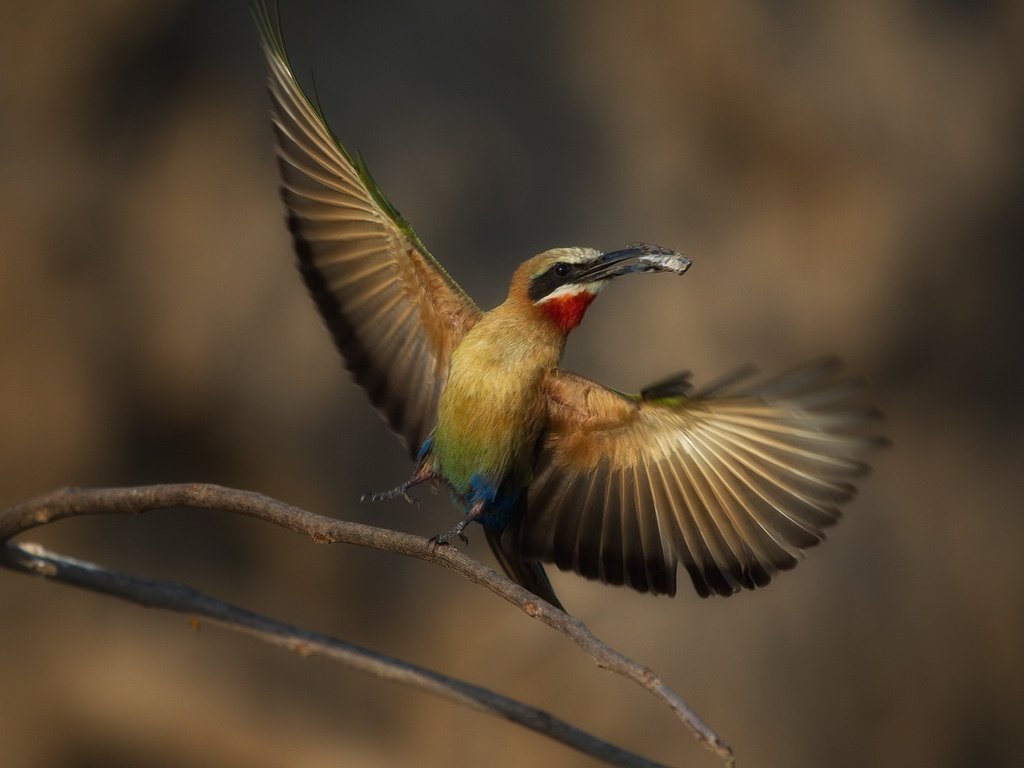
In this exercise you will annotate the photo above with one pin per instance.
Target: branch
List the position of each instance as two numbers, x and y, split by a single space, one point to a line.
33 559
73 502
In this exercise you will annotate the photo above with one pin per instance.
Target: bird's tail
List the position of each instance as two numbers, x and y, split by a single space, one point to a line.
526 573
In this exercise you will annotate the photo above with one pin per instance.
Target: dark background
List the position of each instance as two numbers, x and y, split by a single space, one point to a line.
847 178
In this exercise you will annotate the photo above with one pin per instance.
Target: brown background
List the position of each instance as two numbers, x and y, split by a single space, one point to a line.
847 178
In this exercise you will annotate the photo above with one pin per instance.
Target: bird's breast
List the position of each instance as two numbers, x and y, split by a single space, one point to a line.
492 409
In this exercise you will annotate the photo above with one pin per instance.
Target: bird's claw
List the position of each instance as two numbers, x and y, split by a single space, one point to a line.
445 539
422 475
394 493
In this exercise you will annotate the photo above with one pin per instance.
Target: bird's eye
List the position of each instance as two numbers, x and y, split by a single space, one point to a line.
561 269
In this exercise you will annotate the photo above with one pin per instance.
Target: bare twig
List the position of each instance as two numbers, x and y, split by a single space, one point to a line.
73 502
33 559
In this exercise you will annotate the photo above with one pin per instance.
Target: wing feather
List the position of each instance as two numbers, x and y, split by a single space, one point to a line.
632 551
566 533
607 555
806 506
766 512
650 507
757 552
541 536
394 313
706 510
734 483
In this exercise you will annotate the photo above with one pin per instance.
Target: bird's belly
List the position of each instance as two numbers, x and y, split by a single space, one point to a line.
486 434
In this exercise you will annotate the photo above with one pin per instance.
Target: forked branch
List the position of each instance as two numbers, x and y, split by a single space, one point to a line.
73 502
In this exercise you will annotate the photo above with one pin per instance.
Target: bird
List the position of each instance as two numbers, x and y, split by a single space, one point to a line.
732 480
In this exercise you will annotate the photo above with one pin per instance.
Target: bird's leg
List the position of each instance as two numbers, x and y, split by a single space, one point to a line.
445 538
422 474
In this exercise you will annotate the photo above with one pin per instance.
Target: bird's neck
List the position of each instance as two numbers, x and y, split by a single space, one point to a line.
524 335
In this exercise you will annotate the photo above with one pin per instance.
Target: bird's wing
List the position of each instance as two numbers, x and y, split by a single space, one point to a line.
394 313
733 483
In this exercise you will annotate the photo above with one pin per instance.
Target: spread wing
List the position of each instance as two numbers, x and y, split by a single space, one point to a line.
393 311
731 483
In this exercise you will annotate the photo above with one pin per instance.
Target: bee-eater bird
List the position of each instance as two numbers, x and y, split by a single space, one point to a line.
733 482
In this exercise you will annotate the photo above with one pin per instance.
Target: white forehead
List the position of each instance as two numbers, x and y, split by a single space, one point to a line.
573 255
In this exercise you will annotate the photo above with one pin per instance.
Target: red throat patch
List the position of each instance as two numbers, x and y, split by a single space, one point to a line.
567 311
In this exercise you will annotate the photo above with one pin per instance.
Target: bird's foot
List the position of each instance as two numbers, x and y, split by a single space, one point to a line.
446 538
422 474
396 492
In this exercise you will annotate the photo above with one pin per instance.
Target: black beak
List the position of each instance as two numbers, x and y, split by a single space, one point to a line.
638 257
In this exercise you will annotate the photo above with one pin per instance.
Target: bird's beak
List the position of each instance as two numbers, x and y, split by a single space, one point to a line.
639 257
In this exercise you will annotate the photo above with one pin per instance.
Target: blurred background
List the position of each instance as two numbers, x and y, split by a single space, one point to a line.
848 178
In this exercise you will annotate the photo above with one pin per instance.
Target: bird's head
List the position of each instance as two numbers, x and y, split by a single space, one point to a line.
562 282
